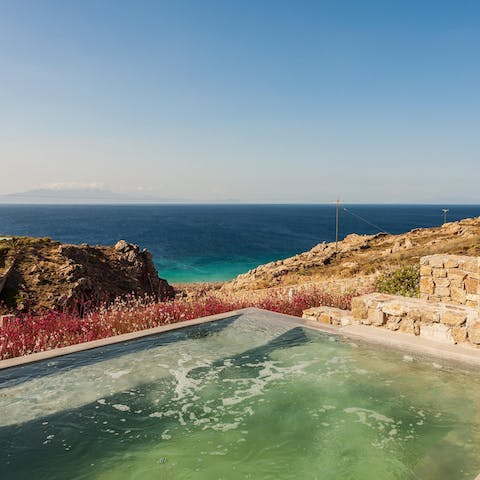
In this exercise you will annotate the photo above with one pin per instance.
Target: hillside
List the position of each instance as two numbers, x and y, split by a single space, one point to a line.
359 259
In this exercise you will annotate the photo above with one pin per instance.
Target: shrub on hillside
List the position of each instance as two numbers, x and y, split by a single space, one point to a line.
404 281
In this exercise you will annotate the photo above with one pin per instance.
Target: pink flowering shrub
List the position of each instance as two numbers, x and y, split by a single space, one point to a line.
30 333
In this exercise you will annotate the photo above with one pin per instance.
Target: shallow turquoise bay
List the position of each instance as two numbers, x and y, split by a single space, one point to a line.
252 397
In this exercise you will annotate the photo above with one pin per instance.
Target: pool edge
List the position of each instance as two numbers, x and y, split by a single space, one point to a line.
401 341
103 342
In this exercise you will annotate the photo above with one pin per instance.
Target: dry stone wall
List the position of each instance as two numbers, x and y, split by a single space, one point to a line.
437 321
451 279
448 310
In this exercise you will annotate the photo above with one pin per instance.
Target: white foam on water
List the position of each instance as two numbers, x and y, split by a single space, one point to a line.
118 373
75 387
120 407
366 416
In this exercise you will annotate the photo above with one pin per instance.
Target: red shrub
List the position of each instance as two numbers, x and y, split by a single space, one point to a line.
35 333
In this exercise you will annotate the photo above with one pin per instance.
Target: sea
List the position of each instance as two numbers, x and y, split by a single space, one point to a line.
207 243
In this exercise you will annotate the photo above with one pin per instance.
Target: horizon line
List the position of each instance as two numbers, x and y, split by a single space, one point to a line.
226 203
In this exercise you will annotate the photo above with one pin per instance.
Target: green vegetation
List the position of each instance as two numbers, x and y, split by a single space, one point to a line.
403 281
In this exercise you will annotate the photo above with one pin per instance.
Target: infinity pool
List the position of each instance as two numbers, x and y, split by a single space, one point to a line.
255 396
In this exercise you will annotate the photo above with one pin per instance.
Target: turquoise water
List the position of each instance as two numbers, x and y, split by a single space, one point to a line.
252 397
216 242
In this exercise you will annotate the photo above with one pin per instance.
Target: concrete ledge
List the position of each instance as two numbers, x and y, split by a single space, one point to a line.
464 354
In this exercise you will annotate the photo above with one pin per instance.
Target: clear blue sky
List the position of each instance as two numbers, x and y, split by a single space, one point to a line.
302 101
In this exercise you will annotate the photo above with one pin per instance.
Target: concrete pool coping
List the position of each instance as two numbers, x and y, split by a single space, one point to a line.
463 354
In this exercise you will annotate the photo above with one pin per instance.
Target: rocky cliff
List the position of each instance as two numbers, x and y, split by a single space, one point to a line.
359 259
40 273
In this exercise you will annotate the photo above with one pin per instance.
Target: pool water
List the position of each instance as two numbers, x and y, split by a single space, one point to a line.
252 397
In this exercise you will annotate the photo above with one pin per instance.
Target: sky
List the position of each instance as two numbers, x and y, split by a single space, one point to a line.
242 101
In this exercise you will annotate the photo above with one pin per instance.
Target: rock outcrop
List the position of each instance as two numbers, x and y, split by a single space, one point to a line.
45 274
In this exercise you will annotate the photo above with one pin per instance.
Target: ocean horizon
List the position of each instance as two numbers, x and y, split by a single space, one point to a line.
216 242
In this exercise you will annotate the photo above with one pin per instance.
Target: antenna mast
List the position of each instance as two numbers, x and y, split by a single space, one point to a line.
445 211
337 205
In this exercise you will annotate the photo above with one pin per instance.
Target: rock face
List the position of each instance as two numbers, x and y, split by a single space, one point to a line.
47 274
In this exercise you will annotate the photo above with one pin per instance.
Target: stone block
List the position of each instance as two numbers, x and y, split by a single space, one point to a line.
425 271
459 334
458 295
474 333
429 316
452 317
324 318
437 332
407 325
456 274
414 314
424 260
393 322
359 308
441 282
442 292
376 316
436 261
457 283
470 264
451 262
426 285
471 285
394 309
473 317
439 273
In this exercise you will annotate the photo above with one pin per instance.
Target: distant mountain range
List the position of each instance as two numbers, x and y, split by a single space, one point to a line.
80 196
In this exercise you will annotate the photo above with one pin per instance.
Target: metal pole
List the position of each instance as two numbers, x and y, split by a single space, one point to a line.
336 225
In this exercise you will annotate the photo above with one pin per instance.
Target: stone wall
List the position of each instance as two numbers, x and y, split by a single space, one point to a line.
448 310
439 321
451 279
